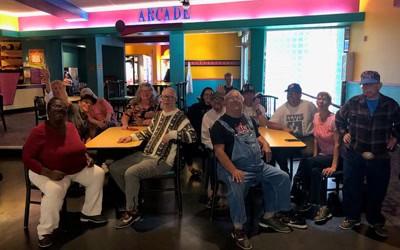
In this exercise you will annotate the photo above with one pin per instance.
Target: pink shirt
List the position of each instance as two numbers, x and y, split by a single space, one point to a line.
100 110
324 133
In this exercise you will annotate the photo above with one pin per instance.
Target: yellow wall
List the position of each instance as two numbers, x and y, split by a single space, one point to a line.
381 50
8 23
212 47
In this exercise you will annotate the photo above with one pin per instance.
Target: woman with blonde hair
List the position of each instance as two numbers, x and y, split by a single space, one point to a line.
141 109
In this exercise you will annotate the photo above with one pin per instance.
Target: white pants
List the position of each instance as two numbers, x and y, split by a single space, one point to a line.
54 192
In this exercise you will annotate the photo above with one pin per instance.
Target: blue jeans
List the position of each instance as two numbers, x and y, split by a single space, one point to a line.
377 173
275 185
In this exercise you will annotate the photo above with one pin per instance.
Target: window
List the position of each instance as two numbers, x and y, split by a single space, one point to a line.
312 58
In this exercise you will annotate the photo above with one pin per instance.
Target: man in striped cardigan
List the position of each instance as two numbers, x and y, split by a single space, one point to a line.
158 156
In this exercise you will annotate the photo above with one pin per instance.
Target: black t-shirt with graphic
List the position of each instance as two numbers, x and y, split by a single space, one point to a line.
219 134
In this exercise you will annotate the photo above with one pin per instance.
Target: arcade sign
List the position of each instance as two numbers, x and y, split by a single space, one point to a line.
163 14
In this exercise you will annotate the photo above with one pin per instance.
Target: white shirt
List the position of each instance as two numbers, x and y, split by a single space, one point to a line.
299 119
251 112
208 121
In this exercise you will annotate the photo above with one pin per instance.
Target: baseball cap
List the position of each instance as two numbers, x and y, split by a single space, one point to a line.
294 87
91 97
87 91
217 95
370 76
247 88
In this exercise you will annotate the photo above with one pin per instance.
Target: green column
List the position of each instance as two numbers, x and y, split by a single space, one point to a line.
177 56
257 58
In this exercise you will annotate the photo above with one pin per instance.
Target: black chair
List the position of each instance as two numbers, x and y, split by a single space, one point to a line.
74 190
338 180
118 115
269 103
40 109
181 95
2 113
173 174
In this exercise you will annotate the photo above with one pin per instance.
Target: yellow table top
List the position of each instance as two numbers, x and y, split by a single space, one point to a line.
278 138
109 138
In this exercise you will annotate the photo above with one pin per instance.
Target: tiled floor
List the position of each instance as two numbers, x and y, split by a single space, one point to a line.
161 228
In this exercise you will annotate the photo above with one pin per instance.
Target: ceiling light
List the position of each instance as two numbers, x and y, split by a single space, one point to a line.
185 4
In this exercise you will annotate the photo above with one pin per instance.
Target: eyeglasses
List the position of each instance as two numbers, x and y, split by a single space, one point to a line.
167 97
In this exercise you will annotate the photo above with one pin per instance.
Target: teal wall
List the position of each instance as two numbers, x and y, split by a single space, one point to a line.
177 56
82 66
70 56
353 89
52 52
257 58
112 64
95 62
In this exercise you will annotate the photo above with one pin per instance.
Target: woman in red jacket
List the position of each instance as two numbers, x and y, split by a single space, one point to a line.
55 156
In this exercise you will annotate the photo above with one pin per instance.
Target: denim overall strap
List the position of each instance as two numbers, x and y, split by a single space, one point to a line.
246 153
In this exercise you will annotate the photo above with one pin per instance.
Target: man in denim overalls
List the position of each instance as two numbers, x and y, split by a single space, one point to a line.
237 147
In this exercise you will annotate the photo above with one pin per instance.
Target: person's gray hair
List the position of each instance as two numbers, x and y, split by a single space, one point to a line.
230 93
173 90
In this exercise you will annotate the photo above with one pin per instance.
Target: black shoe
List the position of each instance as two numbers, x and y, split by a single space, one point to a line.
275 223
293 219
98 219
127 219
304 207
241 240
46 241
380 230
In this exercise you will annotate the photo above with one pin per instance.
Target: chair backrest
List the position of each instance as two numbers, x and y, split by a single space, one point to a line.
269 103
1 104
174 173
40 105
181 95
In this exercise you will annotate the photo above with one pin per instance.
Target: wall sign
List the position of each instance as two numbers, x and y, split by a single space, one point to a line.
163 14
36 58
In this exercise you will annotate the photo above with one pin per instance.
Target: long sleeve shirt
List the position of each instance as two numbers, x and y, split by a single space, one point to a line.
369 133
173 123
47 147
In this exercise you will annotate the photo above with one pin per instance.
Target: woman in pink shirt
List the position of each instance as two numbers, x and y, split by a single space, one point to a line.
313 171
